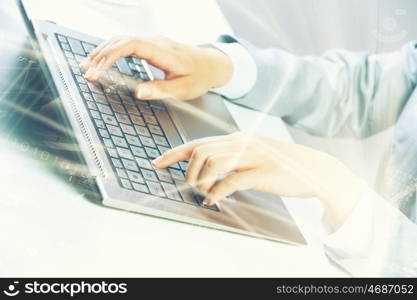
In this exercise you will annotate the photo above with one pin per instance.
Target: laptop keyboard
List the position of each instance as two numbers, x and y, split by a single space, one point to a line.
129 129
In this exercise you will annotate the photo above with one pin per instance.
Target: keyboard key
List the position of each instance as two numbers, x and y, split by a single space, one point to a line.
95 114
91 105
125 153
88 96
88 48
175 166
80 79
76 70
163 149
132 109
163 175
123 67
68 54
127 99
183 165
147 141
100 98
150 119
156 189
79 58
213 207
115 77
123 89
126 183
112 152
140 187
132 140
145 109
142 131
160 140
143 163
155 129
121 173
104 109
127 129
185 191
114 130
100 124
108 143
157 104
95 87
137 151
76 46
132 67
136 60
66 47
117 163
152 153
137 120
84 88
118 141
123 118
149 175
176 174
114 98
118 107
72 62
130 165
110 120
61 38
144 76
110 89
171 191
136 177
104 133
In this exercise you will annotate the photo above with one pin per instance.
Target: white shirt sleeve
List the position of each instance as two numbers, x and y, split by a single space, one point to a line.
375 240
244 71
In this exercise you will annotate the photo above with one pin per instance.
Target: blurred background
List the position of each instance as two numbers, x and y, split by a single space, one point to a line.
311 27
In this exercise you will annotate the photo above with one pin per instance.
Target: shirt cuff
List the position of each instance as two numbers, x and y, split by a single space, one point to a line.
354 237
244 71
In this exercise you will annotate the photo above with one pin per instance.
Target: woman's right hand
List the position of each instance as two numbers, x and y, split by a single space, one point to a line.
220 165
190 71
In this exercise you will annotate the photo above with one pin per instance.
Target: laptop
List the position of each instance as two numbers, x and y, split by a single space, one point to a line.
119 136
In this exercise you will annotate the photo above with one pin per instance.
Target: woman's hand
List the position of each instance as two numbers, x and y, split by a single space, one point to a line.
190 71
219 166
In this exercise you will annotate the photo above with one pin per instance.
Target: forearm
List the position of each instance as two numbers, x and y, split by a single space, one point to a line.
339 93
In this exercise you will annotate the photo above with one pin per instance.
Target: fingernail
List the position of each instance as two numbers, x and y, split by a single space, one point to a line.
88 73
83 65
144 92
206 201
156 160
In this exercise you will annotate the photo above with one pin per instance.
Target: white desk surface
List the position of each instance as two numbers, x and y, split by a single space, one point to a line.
48 229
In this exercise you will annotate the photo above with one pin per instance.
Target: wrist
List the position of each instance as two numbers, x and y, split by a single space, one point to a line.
339 193
219 67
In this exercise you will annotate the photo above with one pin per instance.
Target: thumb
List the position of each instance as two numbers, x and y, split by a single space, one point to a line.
162 89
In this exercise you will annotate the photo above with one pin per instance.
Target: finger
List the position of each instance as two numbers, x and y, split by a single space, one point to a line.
220 164
232 183
178 89
93 73
174 155
155 54
200 156
98 63
184 152
86 63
